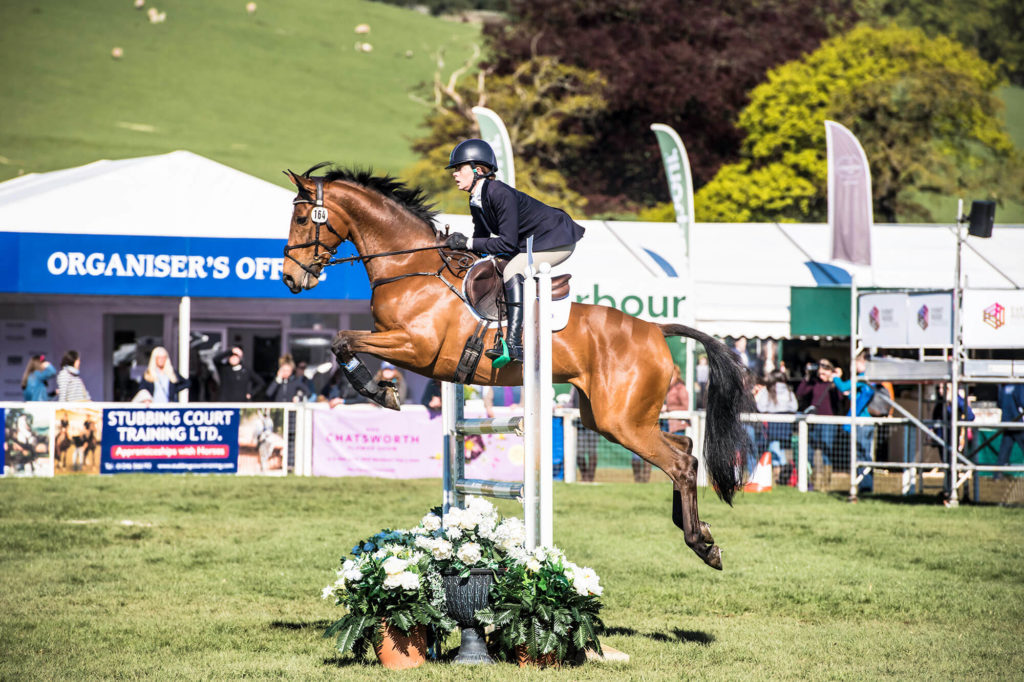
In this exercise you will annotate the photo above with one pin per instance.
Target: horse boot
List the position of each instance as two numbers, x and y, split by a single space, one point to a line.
513 348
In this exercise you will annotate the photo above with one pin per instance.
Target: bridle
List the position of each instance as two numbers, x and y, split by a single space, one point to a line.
318 214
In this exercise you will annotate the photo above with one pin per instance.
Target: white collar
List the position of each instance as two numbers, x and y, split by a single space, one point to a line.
476 196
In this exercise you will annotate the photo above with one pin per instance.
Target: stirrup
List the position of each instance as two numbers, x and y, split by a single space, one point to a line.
499 358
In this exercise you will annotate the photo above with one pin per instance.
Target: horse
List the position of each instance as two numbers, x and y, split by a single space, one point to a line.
620 365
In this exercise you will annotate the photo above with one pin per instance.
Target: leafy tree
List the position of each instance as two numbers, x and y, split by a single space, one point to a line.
687 63
924 109
545 105
995 28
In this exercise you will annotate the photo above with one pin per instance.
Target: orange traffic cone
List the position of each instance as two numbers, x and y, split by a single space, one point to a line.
761 480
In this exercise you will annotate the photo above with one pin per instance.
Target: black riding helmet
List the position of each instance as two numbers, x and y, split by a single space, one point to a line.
473 151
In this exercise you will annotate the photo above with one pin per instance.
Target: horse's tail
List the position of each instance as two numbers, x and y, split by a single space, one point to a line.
727 397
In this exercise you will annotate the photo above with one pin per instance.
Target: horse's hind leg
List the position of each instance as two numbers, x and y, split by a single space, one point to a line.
684 502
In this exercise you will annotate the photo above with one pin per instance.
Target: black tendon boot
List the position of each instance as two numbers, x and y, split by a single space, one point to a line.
514 333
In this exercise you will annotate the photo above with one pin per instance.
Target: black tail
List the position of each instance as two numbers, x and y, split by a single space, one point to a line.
727 397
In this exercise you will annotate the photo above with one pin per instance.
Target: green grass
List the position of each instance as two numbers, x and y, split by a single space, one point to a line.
219 578
281 88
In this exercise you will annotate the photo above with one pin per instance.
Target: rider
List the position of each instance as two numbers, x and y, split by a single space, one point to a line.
501 210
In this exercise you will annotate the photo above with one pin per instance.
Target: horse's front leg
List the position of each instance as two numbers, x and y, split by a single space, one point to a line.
394 345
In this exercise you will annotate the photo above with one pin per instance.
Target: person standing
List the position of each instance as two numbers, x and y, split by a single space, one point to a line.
777 398
160 381
503 219
238 384
286 386
33 381
865 432
823 398
1011 402
70 387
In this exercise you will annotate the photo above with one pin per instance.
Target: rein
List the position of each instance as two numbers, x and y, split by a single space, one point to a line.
319 217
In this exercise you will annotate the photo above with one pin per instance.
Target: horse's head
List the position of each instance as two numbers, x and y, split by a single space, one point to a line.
317 229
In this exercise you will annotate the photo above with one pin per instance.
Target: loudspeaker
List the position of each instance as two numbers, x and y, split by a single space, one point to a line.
982 219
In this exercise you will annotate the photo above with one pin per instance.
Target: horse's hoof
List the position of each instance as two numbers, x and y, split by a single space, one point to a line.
389 398
705 533
714 558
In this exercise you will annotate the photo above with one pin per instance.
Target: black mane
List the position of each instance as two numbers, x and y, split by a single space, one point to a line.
413 199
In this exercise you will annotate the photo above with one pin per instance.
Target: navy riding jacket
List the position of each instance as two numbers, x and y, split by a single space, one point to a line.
514 216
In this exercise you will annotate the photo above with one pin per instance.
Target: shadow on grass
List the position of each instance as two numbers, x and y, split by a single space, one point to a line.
681 636
890 498
316 624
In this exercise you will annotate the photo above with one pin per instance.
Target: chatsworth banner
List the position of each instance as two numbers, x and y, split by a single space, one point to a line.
849 195
493 132
680 182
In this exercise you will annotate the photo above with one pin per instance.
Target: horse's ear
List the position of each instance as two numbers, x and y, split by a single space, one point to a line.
292 177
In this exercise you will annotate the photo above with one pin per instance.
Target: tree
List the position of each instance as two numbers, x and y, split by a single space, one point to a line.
546 106
995 28
924 109
687 63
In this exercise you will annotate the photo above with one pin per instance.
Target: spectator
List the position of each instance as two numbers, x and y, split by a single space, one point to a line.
339 391
70 387
823 399
305 381
701 377
160 381
1011 402
751 362
501 396
677 400
238 384
389 372
777 398
944 415
586 449
33 381
865 433
286 386
431 398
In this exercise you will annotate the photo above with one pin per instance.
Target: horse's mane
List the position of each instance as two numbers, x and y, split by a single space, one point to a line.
413 199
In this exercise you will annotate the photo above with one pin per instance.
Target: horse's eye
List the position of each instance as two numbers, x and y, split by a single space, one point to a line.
301 220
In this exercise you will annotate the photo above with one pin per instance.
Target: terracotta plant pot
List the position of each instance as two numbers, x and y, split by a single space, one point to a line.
398 651
548 660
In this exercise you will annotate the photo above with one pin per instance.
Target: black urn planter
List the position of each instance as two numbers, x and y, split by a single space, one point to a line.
463 597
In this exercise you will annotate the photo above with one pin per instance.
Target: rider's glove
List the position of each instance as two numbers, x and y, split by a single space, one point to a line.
457 240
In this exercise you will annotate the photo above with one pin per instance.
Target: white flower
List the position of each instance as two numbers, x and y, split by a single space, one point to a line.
352 576
328 592
394 565
469 553
380 554
452 518
441 550
540 554
424 542
585 581
453 532
431 522
532 565
404 580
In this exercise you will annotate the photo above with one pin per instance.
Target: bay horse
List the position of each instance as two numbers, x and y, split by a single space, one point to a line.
620 365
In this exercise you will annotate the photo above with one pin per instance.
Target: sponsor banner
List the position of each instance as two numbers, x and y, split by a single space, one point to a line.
993 318
262 444
27 440
494 133
677 172
162 266
930 320
656 300
882 319
77 440
386 444
170 440
850 215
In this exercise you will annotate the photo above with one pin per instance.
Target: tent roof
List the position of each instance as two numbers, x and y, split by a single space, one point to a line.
179 194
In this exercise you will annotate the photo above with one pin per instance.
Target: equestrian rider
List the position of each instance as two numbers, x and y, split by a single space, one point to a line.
511 216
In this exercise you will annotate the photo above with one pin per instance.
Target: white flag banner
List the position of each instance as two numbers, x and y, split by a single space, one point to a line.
849 196
680 182
494 133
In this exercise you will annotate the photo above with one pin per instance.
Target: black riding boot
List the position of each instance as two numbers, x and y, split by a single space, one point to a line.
514 312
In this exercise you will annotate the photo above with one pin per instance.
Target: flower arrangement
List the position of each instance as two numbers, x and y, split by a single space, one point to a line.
545 604
471 537
386 579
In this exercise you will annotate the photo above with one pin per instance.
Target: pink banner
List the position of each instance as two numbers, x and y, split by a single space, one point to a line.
362 441
849 196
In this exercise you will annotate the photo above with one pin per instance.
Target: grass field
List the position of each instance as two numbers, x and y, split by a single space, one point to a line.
219 578
282 88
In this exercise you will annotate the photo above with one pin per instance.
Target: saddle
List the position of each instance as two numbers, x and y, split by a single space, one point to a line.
484 290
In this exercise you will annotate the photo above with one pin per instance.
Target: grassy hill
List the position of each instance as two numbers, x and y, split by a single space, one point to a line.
282 87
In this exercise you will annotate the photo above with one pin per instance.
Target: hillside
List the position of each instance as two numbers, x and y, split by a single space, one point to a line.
283 87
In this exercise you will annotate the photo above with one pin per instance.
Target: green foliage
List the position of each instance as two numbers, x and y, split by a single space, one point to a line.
546 604
995 28
451 6
546 106
924 109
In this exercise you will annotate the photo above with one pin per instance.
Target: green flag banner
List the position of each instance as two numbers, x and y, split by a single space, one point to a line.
493 131
680 182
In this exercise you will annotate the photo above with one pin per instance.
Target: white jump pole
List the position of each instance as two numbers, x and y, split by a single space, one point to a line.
531 499
545 399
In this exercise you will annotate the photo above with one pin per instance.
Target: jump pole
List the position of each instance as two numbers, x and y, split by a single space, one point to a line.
538 395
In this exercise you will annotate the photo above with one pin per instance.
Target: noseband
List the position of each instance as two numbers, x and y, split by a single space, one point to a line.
319 217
